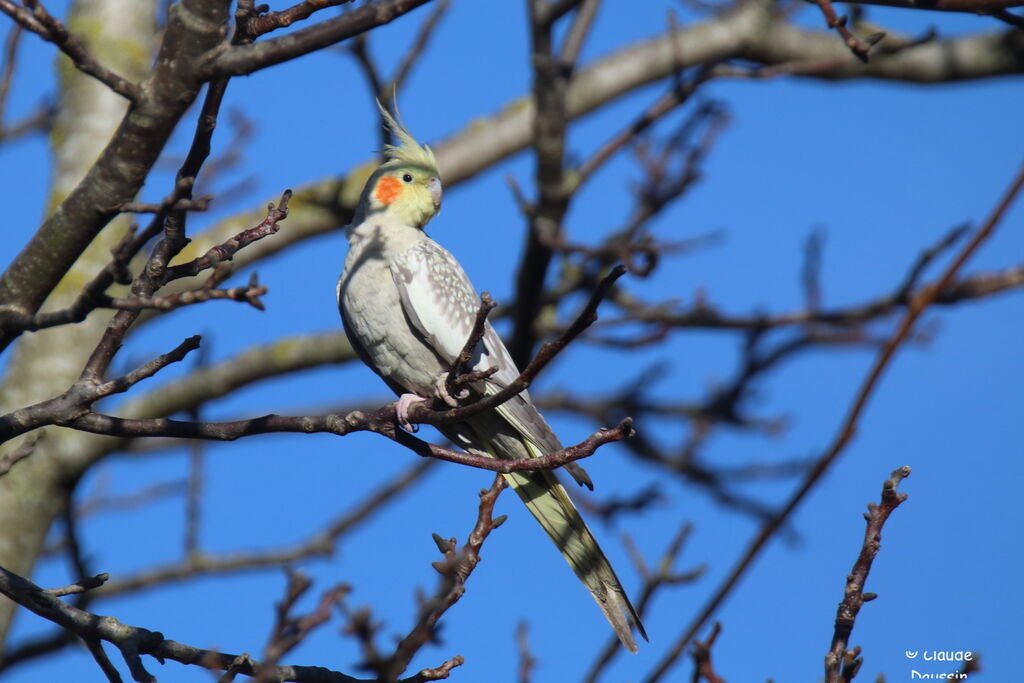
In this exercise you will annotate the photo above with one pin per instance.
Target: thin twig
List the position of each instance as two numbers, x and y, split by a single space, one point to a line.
95 647
34 17
456 377
663 576
7 74
527 660
455 569
255 25
840 664
547 353
318 543
702 667
860 48
79 586
417 47
226 250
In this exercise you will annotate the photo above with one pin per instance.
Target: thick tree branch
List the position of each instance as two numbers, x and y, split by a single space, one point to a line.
193 28
551 77
383 421
245 59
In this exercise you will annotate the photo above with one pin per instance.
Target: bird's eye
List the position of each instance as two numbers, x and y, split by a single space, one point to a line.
407 177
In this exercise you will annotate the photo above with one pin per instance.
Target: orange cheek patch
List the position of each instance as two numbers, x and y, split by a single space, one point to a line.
388 189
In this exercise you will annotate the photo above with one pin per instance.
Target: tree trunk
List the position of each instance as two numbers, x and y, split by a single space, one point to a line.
122 35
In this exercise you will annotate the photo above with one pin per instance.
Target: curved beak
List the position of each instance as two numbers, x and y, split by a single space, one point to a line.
434 187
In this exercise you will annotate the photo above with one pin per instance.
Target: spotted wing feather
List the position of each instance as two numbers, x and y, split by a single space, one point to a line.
442 304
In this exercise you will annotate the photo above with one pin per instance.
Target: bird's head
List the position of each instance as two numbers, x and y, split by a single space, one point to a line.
408 185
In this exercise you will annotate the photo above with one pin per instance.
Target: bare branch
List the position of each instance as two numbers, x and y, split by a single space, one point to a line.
578 30
7 72
133 641
838 660
858 47
847 429
79 586
1008 18
970 6
226 250
289 631
421 414
249 294
702 315
95 648
34 17
253 26
662 577
702 658
78 400
418 46
319 543
455 378
455 570
382 421
245 59
121 169
527 661
664 105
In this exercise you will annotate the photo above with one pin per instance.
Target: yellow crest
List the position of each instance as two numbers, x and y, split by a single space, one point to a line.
408 151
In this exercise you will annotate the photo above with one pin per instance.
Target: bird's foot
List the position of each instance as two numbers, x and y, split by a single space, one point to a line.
441 386
405 402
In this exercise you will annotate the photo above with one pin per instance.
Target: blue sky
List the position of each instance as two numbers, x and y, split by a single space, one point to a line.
883 169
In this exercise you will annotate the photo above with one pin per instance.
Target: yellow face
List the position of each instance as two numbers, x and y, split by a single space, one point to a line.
412 193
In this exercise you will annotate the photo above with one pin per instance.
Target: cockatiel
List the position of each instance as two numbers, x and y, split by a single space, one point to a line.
408 309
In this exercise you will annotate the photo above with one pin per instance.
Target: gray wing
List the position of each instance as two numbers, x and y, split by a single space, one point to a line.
360 350
442 304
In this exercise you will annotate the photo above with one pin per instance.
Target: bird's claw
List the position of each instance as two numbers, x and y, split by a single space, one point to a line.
405 402
441 385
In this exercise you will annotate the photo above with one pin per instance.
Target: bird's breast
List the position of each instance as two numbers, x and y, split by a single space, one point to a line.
370 302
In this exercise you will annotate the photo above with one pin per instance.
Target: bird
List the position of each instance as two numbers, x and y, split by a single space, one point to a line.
408 309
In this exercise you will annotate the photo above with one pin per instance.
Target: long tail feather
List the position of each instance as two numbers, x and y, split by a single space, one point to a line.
551 506
493 435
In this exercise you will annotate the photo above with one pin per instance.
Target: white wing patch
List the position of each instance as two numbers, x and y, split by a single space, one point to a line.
442 305
437 296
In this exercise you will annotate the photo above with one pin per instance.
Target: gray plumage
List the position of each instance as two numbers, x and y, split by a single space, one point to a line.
408 309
